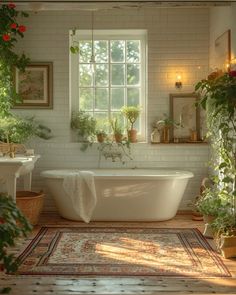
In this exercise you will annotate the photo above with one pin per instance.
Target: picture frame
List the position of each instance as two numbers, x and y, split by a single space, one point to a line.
223 51
35 86
186 116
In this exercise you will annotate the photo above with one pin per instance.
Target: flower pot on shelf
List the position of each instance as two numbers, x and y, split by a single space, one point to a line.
30 204
132 135
166 134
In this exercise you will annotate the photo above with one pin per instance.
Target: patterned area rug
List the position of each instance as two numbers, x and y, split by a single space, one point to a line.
121 252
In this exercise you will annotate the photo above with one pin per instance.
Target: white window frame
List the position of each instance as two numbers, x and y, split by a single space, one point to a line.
112 35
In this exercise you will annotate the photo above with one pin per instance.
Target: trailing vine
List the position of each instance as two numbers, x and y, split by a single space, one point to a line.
219 100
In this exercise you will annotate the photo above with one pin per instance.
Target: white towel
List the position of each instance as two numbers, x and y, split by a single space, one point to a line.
80 187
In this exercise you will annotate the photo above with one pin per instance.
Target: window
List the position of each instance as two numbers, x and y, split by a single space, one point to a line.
117 77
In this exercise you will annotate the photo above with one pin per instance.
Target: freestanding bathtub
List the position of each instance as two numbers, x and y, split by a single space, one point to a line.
125 194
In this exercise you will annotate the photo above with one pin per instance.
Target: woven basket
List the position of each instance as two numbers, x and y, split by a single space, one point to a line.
31 204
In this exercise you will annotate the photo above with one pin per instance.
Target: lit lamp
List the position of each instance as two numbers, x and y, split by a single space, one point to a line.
178 83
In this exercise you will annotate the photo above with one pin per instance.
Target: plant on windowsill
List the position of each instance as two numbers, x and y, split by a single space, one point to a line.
85 125
117 130
131 113
101 135
13 225
218 93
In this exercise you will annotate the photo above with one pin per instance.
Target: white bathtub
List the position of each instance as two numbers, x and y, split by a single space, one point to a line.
126 194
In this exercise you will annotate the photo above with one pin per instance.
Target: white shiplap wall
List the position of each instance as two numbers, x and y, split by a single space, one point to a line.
177 41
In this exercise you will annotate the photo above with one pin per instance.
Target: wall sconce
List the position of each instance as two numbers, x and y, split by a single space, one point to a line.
178 79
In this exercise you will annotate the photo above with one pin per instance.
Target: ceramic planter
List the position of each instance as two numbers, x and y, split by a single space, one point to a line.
227 245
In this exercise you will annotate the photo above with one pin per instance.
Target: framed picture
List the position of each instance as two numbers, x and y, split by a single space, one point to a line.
184 112
35 86
223 51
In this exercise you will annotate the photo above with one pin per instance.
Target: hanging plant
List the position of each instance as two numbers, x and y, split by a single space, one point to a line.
10 31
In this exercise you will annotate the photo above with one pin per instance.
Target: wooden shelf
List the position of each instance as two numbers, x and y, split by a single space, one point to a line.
181 143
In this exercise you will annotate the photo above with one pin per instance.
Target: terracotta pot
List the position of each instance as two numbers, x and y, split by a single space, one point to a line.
166 134
118 137
132 135
100 138
227 245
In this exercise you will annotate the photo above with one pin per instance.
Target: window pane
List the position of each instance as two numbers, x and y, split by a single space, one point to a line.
133 74
117 74
133 51
100 51
86 99
85 75
101 75
133 97
85 51
102 120
117 51
101 99
117 98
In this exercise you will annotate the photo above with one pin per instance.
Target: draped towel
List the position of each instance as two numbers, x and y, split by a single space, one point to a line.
80 187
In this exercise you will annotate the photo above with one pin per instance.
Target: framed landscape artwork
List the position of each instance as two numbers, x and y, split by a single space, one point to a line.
186 116
223 51
35 86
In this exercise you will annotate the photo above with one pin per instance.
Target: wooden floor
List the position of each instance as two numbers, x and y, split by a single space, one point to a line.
25 285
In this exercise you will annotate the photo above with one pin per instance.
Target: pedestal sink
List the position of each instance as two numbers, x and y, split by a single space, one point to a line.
11 169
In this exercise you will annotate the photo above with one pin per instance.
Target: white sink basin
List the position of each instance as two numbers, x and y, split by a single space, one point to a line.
11 169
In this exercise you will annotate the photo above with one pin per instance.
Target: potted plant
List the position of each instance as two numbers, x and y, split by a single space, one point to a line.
85 125
218 98
131 113
116 129
164 125
13 225
101 135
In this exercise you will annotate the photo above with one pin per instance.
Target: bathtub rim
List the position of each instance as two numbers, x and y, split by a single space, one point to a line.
62 173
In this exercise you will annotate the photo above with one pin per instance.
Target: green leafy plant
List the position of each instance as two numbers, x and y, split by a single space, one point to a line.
13 225
131 113
166 121
84 124
14 129
218 98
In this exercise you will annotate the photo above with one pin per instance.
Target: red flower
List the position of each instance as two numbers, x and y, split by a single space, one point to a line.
6 37
11 5
22 29
232 73
13 26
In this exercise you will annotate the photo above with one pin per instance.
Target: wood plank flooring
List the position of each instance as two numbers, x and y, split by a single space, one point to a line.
28 285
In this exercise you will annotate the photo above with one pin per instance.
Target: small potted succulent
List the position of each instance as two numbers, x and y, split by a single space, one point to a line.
116 129
131 113
101 135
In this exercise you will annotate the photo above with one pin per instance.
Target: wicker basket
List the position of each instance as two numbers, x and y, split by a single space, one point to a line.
31 204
